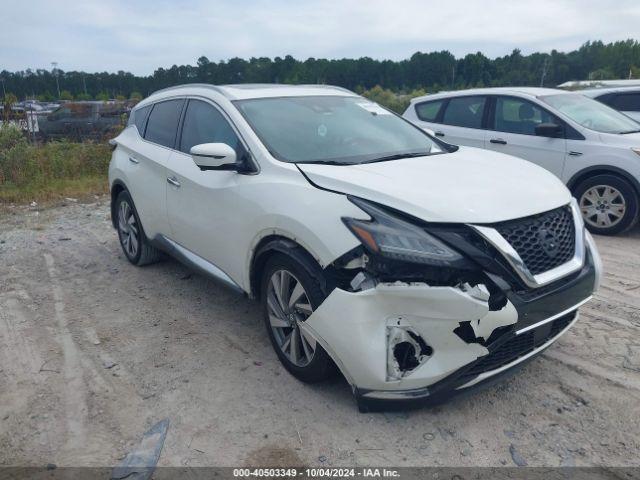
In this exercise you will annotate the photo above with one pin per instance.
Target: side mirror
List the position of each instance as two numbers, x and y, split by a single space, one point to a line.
214 156
551 130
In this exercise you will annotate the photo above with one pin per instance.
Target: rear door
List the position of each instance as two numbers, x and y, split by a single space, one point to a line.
512 123
147 165
461 121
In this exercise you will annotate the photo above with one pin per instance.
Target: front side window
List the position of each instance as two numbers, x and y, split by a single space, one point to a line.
627 102
333 129
428 111
515 115
464 112
59 113
590 113
163 122
203 123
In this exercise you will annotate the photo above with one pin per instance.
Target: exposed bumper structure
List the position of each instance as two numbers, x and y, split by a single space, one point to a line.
411 341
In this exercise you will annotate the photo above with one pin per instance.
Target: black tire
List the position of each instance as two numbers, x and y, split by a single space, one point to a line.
321 367
628 195
145 253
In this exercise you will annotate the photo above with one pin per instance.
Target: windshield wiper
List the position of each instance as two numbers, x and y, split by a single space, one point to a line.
397 156
326 162
630 131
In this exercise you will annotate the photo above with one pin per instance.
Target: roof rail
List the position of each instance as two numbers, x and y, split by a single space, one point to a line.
220 88
186 85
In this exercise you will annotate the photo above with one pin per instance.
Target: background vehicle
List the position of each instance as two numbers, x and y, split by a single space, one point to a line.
623 99
594 149
79 120
334 212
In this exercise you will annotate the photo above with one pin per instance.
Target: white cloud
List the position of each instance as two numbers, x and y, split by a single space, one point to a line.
94 35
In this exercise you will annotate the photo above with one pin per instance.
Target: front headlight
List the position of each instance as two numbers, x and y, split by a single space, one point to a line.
395 238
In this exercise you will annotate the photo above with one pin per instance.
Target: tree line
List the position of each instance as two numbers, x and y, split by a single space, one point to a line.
431 72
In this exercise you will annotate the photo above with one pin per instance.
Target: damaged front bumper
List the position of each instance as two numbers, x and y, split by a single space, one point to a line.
411 342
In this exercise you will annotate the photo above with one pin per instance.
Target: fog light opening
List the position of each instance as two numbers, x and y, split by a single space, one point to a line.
406 351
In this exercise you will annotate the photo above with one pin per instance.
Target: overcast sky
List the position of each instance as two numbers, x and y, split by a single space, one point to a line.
139 36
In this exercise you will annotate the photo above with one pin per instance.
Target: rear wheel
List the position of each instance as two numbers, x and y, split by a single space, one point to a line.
289 297
134 243
608 203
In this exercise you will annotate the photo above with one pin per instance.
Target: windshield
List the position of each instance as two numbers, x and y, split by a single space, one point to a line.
332 129
591 114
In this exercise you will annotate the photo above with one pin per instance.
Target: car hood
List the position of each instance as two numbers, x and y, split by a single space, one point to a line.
627 140
467 186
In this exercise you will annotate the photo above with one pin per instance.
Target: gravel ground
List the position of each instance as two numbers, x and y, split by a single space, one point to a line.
93 351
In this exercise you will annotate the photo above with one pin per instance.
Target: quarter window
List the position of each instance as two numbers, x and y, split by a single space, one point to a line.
163 122
514 115
140 118
203 123
464 112
428 111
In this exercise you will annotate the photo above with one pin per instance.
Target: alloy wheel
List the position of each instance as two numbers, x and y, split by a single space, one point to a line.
288 307
602 206
128 230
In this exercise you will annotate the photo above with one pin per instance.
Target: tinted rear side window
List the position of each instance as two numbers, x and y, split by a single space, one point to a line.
627 102
464 112
428 111
203 123
163 122
139 118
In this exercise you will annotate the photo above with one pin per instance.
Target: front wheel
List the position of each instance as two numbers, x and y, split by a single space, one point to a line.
290 294
608 203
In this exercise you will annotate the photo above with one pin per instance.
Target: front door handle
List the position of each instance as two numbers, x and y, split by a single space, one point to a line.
439 134
499 141
134 160
173 181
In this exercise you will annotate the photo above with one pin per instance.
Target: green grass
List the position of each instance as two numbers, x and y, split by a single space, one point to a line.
50 171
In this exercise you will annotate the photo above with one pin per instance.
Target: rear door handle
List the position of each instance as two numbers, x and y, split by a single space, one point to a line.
173 181
134 160
575 154
439 134
499 141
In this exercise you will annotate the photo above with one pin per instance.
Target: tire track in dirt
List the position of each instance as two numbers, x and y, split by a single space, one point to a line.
76 411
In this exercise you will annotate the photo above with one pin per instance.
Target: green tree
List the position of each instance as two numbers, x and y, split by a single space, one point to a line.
66 95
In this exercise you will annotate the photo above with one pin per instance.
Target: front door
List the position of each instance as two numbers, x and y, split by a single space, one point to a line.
512 131
206 209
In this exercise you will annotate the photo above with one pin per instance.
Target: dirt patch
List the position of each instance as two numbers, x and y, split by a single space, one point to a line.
273 456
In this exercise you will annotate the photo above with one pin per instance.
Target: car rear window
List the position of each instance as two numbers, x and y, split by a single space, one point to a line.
464 112
163 122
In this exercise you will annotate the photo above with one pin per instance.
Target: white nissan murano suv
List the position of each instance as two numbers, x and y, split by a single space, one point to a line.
415 268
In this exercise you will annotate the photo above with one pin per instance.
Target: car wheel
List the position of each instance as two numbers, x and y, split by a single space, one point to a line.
289 296
608 203
134 243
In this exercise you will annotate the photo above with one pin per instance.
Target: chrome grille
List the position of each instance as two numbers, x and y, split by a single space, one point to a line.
543 241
